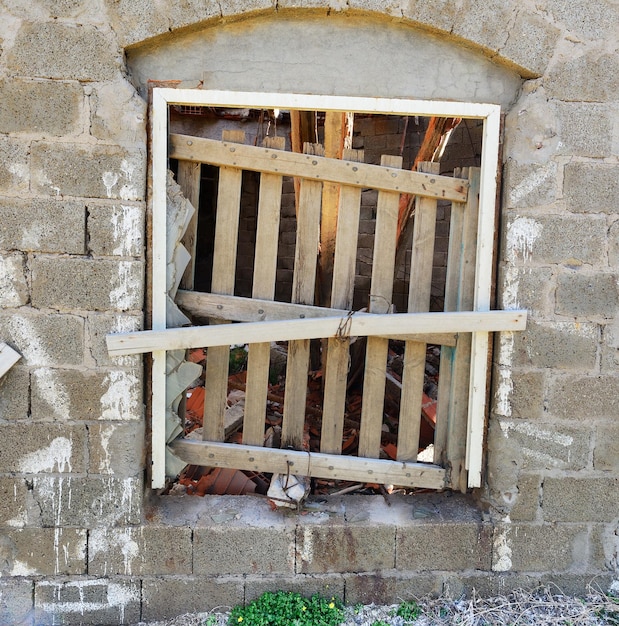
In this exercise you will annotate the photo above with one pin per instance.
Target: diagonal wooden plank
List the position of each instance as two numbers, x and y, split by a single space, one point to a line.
189 182
381 290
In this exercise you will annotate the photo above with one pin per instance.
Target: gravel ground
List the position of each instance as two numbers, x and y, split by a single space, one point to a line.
543 607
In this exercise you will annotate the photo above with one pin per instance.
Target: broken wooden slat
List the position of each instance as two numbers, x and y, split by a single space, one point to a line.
315 464
265 266
303 285
316 167
189 182
224 266
8 358
381 290
342 291
419 290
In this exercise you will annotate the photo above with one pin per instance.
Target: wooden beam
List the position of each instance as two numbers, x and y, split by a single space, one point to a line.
288 330
315 464
315 167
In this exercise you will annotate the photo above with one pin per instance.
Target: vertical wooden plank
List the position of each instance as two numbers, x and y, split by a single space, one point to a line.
342 291
222 282
303 284
420 287
381 290
265 266
189 182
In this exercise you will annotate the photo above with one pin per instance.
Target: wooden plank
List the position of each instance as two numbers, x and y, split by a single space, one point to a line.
342 291
381 290
420 287
303 285
222 281
388 325
265 266
315 167
189 182
315 464
8 358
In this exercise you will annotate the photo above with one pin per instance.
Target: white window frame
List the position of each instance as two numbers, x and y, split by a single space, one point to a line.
162 98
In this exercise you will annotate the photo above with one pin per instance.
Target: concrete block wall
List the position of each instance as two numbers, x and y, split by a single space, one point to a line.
81 539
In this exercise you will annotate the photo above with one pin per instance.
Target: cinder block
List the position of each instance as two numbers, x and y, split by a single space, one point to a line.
66 51
30 448
116 230
13 285
580 499
15 394
70 8
13 504
591 77
90 171
578 585
146 550
519 394
538 548
88 502
87 601
591 187
592 20
101 285
99 325
438 14
325 585
46 108
42 225
613 244
167 597
572 397
606 451
14 165
116 448
587 294
118 113
86 395
449 547
484 586
586 129
43 551
484 23
527 501
529 184
135 21
16 601
604 547
45 339
391 586
564 345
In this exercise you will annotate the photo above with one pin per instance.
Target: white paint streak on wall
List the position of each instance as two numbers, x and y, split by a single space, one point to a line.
31 237
119 401
55 457
30 345
53 392
126 225
511 285
19 169
505 386
9 296
307 552
106 434
531 183
521 236
129 548
21 569
502 559
109 180
533 431
121 296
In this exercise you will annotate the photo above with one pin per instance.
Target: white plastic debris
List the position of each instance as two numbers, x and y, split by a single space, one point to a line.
288 490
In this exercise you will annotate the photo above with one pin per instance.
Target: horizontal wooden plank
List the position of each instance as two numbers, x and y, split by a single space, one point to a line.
336 467
8 358
342 326
284 163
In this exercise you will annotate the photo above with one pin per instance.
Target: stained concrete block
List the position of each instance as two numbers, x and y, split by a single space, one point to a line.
530 184
116 448
100 285
136 21
450 547
587 499
14 165
42 551
13 286
325 585
15 394
526 287
526 504
16 601
118 112
578 585
606 451
436 14
45 339
591 187
604 547
167 597
591 77
583 397
587 294
99 325
43 225
142 551
13 505
42 108
391 586
64 51
586 129
87 601
564 345
86 395
539 548
90 171
30 448
519 394
116 230
592 20
483 586
485 23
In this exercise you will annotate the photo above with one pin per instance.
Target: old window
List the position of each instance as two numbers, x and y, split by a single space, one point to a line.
324 185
